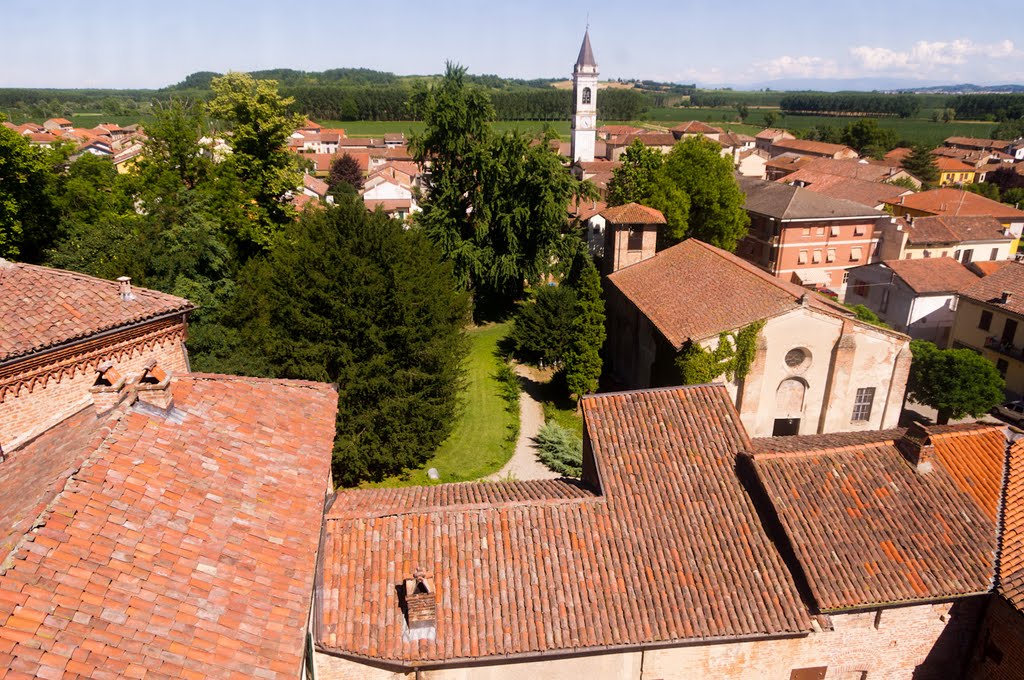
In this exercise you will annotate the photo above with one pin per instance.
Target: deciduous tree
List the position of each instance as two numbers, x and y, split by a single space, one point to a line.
345 171
955 382
633 181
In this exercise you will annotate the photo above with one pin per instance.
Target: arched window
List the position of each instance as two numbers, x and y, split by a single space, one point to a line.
586 95
789 398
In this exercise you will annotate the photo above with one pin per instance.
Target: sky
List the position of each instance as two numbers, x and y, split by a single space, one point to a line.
96 43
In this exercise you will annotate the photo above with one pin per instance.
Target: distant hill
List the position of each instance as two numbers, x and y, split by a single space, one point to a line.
358 77
966 88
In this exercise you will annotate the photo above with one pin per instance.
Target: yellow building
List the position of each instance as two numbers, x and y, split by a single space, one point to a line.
952 171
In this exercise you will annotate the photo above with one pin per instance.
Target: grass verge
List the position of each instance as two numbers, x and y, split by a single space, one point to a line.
480 443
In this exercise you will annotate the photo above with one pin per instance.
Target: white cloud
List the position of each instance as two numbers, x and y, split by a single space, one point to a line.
927 57
798 67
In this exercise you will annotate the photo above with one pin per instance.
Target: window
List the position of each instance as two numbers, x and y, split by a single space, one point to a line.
927 254
820 231
586 95
985 322
846 277
884 307
968 256
860 288
855 254
862 404
807 231
816 256
859 230
830 255
802 257
910 256
834 231
816 673
636 239
956 255
995 254
1001 366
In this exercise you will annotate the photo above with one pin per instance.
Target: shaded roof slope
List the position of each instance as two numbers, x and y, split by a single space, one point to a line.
671 549
932 275
1009 279
864 192
184 544
41 307
681 291
869 529
787 202
957 202
955 229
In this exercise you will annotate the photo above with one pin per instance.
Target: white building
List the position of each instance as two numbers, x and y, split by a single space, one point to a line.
584 88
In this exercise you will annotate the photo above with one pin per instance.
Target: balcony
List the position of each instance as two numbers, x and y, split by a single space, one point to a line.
1007 350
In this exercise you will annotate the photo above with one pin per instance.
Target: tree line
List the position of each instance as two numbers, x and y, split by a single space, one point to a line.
999 107
839 103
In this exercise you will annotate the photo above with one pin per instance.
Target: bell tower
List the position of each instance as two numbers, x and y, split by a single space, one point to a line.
584 89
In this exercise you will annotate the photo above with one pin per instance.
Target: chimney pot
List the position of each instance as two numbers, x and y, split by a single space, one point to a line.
108 389
125 287
917 448
154 387
420 606
1005 297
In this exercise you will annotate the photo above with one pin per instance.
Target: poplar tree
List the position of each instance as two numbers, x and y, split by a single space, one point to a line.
583 359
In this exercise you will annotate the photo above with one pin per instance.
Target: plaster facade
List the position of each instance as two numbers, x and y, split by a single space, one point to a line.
996 334
922 317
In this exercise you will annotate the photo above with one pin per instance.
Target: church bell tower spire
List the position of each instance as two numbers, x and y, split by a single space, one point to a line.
584 88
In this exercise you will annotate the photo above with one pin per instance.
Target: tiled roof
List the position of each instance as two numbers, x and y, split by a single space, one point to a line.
990 289
772 134
649 139
932 275
183 546
976 143
949 229
388 205
811 147
41 307
671 550
695 127
986 267
786 202
946 164
588 209
869 193
633 213
869 529
598 166
683 291
1011 548
957 202
898 154
316 185
854 168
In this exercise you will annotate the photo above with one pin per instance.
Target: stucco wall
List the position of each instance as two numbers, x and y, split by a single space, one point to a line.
967 333
831 375
920 642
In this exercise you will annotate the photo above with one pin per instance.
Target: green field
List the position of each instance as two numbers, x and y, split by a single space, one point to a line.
479 445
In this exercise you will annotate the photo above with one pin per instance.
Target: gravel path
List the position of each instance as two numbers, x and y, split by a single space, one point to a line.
524 464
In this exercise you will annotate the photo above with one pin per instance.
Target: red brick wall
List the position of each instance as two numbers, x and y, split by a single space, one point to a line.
999 650
42 391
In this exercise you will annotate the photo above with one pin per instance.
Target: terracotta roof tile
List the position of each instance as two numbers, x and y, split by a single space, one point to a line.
932 275
41 307
786 202
183 544
1011 548
946 164
633 213
695 127
950 229
986 267
977 143
957 202
864 192
811 147
990 289
670 550
869 529
681 292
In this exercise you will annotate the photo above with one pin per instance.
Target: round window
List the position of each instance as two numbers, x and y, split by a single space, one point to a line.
795 358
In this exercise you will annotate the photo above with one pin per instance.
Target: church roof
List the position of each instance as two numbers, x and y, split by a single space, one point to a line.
586 57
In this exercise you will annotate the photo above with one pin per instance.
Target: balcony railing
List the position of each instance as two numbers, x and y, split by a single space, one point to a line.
1004 348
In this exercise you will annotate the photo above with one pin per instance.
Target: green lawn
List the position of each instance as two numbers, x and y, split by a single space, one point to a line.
479 445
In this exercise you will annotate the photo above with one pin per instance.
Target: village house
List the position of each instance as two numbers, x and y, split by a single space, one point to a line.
989 316
859 169
152 521
765 139
868 193
623 235
695 128
58 124
953 171
816 368
807 237
965 239
805 147
916 297
958 203
687 550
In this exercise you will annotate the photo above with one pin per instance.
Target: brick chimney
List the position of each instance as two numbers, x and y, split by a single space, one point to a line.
420 606
154 387
124 288
916 446
108 389
1005 297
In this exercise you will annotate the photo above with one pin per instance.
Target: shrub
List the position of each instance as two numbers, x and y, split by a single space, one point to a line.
560 449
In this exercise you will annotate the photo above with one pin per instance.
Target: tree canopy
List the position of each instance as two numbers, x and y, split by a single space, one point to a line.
497 203
921 164
27 185
353 298
955 382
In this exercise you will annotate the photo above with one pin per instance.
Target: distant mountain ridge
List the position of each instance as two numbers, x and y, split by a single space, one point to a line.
966 88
